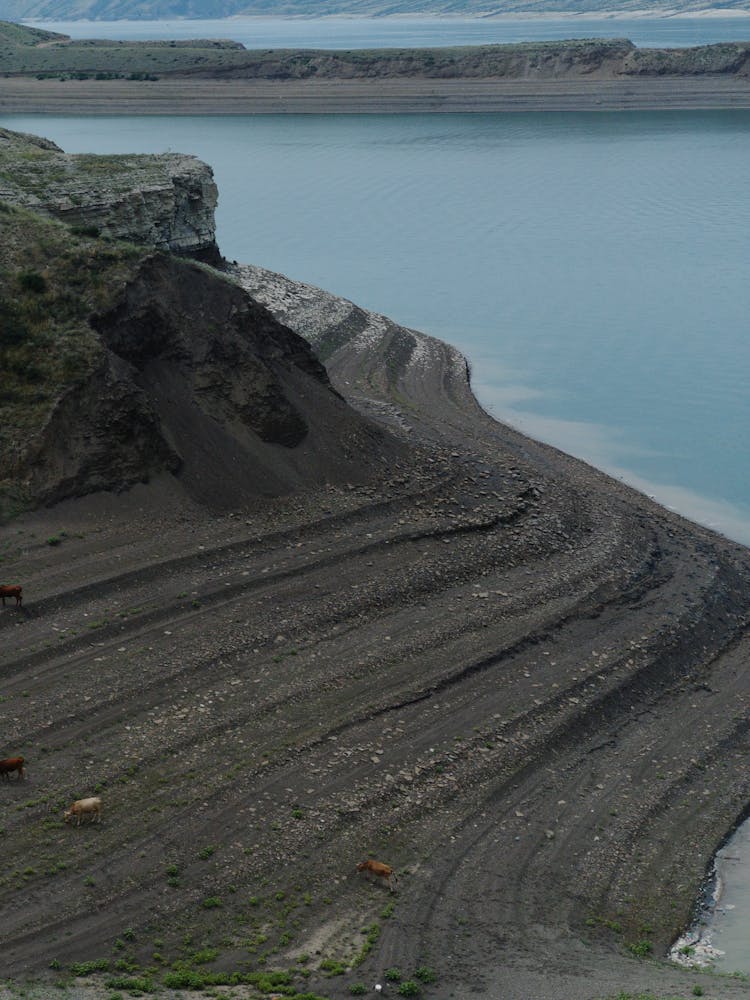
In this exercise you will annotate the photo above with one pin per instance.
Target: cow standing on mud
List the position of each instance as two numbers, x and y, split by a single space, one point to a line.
15 591
379 870
9 765
82 809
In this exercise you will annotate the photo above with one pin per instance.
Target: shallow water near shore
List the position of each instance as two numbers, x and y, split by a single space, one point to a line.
719 938
591 266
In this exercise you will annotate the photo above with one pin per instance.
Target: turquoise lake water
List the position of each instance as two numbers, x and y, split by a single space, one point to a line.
385 32
594 267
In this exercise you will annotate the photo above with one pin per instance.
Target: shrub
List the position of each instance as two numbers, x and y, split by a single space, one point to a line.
211 903
125 965
358 989
641 948
409 989
332 968
32 281
186 979
13 328
393 975
204 955
86 968
141 983
92 231
425 974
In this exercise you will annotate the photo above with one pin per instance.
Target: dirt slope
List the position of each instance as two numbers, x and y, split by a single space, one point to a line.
518 681
120 363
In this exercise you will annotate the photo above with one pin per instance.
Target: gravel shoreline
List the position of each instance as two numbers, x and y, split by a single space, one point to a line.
518 681
240 97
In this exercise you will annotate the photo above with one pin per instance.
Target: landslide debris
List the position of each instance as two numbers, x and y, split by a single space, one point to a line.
122 363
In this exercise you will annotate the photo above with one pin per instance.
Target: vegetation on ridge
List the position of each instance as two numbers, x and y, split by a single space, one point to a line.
51 280
100 59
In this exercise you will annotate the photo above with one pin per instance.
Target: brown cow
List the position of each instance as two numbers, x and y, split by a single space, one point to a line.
14 591
84 807
380 870
9 765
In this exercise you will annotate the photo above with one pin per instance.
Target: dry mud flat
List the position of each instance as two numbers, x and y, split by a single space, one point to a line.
517 681
380 96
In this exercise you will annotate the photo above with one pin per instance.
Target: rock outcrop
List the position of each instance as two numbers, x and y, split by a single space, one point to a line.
165 200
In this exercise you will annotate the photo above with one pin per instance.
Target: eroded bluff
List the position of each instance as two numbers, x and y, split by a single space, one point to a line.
121 363
166 200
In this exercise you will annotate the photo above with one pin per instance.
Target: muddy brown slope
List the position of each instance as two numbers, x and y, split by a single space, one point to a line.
519 682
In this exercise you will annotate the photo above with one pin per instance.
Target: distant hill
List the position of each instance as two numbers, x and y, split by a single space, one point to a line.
155 9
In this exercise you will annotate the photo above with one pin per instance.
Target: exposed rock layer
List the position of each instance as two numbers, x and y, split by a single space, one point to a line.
166 201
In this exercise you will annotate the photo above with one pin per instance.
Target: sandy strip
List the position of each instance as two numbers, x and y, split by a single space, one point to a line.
191 97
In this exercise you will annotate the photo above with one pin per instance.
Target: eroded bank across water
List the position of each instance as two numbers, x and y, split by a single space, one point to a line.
180 96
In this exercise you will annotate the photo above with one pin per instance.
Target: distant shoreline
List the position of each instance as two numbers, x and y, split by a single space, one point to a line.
718 13
180 96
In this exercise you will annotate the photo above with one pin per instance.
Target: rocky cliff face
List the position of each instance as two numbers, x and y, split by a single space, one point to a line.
166 201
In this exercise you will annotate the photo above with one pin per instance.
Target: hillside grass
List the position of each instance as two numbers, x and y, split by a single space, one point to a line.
51 281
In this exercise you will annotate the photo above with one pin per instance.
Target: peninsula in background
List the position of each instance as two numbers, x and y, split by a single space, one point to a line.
48 72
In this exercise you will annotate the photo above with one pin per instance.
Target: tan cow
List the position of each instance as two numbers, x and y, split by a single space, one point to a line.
380 870
91 808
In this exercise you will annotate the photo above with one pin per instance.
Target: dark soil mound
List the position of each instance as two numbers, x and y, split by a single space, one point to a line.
123 364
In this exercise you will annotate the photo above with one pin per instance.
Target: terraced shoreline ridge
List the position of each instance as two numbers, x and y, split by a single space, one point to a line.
48 72
366 621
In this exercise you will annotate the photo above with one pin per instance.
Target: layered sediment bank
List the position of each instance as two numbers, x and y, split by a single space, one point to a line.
190 96
518 681
286 617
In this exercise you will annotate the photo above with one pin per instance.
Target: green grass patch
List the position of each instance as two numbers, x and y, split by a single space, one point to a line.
88 968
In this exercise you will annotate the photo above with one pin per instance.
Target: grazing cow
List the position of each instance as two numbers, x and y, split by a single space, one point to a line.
14 591
84 807
380 870
9 765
